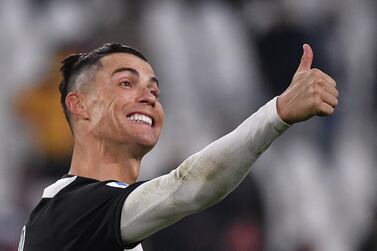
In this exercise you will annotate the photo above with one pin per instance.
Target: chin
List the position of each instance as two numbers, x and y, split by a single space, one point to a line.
147 143
145 148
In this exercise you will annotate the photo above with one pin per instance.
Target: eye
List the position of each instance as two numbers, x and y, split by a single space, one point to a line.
125 83
155 93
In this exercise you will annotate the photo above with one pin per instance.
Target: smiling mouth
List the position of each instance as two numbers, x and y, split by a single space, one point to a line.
141 118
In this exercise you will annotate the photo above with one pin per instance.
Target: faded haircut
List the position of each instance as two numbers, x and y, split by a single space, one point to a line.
75 65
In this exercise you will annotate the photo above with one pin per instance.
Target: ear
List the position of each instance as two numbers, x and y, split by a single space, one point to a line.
75 104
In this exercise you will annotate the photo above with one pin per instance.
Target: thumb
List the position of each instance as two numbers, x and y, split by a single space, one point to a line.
306 60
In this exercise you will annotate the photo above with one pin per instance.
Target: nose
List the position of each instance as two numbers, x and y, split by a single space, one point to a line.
146 96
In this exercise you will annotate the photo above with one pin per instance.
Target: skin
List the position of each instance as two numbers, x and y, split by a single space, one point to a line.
109 146
311 92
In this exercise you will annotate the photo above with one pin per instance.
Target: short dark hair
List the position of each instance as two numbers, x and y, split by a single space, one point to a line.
75 64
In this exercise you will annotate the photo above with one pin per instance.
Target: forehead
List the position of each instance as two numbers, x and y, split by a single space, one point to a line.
114 61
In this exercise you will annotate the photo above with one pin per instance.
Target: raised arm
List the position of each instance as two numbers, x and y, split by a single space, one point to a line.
209 175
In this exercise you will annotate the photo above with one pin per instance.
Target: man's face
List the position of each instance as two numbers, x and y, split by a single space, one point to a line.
123 106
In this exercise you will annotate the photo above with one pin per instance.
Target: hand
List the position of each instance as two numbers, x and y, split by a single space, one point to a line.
310 93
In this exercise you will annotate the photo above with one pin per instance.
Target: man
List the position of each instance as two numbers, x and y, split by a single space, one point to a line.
111 100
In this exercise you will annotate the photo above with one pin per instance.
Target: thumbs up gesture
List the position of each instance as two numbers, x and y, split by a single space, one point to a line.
311 92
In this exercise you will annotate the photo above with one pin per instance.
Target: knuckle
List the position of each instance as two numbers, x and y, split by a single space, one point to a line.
322 82
311 90
315 89
315 72
336 93
316 101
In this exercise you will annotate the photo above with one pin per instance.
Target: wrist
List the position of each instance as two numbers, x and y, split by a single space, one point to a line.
281 111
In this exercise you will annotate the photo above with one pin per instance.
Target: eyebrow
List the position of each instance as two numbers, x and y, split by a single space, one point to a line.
134 72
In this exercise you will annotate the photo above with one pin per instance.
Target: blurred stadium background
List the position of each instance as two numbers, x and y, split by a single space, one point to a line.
218 61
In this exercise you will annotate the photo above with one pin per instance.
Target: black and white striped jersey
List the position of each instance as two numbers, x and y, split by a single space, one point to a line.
78 213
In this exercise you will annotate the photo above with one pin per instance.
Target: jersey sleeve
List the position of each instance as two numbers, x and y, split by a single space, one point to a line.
203 179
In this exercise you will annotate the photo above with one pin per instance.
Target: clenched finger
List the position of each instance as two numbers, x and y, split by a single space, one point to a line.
329 88
325 110
328 79
329 99
320 74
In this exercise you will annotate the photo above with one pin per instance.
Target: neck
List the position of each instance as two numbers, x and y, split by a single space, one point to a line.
104 161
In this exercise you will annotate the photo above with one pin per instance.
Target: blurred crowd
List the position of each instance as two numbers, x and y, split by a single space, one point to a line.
218 61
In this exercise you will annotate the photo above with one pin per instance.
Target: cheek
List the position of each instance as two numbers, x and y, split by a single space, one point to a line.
161 113
103 114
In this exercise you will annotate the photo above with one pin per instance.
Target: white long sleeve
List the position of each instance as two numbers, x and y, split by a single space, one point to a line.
201 180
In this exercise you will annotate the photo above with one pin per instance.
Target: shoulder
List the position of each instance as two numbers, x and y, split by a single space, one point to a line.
75 195
81 211
71 185
53 189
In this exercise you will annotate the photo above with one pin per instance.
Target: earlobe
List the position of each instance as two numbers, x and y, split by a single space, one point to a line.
75 105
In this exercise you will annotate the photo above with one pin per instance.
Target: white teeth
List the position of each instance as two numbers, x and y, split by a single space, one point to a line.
141 118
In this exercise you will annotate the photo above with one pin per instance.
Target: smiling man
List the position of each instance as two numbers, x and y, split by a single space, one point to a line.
110 98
